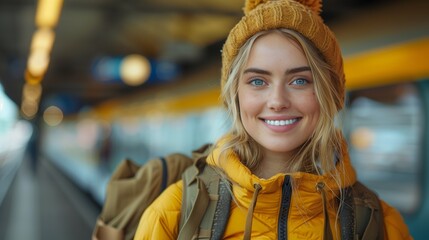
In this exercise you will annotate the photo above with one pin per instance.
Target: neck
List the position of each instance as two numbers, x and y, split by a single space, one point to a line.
272 164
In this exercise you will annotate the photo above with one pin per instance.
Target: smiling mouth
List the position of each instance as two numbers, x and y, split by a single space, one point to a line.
281 122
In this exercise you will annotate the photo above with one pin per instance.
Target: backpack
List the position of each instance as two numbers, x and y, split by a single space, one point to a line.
133 188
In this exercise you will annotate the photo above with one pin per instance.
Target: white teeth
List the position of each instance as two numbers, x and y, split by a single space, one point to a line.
281 122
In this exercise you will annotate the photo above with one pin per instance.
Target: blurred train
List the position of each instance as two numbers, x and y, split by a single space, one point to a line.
385 122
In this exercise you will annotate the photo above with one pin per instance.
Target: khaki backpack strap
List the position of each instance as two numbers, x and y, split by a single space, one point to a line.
192 214
188 177
106 232
212 209
216 216
202 151
362 210
369 213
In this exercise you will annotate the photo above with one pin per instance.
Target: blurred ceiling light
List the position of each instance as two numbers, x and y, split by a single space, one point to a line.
32 91
135 69
48 13
43 38
29 78
29 108
53 116
38 62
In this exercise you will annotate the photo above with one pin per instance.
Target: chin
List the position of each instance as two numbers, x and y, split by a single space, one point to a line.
281 148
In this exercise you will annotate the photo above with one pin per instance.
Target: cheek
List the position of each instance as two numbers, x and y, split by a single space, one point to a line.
309 104
314 106
315 101
248 103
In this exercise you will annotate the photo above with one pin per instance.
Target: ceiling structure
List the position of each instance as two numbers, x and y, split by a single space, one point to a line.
186 32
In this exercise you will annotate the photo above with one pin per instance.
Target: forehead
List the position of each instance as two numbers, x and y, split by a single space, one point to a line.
276 48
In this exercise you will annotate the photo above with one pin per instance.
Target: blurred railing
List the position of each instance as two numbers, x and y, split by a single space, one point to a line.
13 144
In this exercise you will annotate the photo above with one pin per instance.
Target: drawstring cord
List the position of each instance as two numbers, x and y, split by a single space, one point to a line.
320 186
248 229
327 235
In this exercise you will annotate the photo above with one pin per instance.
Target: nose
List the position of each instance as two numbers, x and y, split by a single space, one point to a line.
278 98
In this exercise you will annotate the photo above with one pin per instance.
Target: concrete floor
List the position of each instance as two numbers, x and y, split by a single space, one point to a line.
42 204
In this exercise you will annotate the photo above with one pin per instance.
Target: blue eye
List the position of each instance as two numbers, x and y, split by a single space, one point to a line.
299 81
257 82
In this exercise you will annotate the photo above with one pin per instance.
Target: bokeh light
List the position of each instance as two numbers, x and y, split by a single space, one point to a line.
53 116
135 69
38 62
362 138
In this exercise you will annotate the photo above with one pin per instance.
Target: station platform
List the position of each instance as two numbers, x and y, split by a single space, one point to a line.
42 203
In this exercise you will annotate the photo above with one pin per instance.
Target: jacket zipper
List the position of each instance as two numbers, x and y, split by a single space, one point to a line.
284 208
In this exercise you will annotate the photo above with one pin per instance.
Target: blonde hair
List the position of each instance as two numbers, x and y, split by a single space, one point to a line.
317 153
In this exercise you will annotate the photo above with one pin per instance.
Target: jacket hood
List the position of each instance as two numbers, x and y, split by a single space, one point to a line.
303 183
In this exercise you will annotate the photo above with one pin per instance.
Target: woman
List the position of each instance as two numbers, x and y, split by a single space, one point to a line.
283 84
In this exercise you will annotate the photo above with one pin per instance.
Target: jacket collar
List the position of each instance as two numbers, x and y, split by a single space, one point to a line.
238 173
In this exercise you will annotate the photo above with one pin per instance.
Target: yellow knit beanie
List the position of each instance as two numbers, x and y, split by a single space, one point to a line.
299 15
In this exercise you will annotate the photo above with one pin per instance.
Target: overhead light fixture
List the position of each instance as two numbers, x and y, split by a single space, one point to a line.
135 69
48 13
38 62
29 108
32 91
43 38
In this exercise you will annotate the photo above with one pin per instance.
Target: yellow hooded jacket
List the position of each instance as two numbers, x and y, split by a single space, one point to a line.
305 218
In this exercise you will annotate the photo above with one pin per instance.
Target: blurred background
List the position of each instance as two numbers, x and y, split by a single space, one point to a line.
87 83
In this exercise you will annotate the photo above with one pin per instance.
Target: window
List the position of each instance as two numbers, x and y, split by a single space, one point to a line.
384 128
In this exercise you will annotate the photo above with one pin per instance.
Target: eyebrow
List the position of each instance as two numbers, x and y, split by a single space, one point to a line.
289 71
298 69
